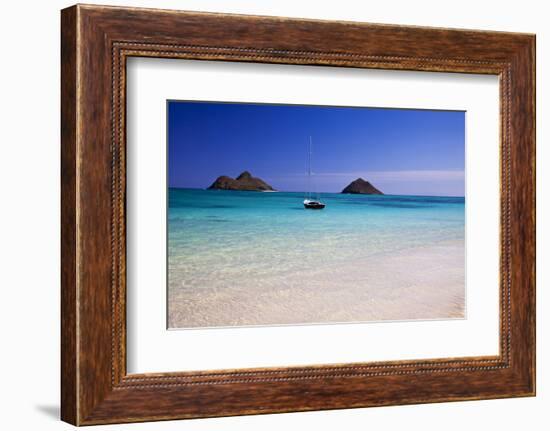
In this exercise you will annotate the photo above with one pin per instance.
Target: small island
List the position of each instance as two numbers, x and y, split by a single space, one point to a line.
244 182
362 187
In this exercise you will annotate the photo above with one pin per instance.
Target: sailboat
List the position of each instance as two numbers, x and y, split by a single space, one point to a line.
309 202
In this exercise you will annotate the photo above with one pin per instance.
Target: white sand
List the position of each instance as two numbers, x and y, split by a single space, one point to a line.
421 283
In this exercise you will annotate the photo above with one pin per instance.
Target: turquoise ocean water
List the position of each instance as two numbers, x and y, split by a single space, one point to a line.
226 238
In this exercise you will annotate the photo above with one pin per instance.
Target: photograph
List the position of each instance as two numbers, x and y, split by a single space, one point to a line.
284 214
275 215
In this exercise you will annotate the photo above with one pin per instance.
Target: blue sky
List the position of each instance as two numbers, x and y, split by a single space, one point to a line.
400 151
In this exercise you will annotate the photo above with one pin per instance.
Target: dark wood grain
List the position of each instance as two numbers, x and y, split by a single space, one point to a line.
69 397
96 41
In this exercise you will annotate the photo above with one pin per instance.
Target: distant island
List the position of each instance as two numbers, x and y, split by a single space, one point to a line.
244 181
362 187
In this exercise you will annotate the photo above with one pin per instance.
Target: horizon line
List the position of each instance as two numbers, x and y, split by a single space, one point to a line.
300 191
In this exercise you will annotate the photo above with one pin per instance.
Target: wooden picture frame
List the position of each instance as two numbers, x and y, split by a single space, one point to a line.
95 43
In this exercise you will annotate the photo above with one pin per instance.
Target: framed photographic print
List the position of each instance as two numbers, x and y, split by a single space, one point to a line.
266 215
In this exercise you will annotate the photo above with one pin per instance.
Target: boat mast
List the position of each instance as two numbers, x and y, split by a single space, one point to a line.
309 168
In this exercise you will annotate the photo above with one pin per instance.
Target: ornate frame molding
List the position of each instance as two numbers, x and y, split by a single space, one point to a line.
96 41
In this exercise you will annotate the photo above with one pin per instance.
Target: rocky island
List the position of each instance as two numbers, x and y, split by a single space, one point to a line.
244 181
360 186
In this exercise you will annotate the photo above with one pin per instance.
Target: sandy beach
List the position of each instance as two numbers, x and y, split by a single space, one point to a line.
426 282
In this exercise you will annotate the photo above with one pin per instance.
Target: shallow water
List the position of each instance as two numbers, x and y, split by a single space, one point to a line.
230 247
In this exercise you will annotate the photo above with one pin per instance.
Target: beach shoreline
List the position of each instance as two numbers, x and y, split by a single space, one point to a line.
417 283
